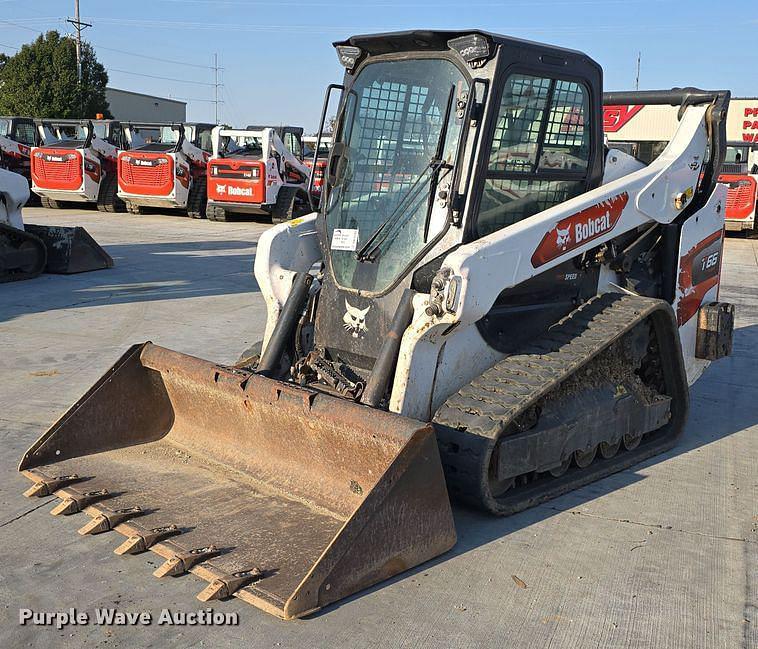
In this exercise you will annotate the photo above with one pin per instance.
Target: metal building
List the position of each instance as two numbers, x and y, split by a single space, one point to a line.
138 107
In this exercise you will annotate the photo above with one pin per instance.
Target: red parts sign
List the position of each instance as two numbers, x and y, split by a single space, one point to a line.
750 124
614 117
576 230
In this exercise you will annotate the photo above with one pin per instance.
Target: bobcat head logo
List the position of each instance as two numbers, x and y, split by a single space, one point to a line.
563 237
354 320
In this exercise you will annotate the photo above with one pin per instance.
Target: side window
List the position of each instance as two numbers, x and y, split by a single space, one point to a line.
292 143
25 133
540 150
205 141
117 136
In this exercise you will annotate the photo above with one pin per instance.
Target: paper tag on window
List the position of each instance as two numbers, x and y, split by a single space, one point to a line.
344 239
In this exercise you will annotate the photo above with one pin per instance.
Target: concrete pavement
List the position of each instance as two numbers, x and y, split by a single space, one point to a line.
664 555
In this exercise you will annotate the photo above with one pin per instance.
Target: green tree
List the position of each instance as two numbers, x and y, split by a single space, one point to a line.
41 80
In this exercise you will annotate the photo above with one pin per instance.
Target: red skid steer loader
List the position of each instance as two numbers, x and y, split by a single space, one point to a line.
168 171
17 137
76 162
486 304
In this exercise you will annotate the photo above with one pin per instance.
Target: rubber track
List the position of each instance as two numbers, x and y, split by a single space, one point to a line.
469 423
14 238
197 199
107 199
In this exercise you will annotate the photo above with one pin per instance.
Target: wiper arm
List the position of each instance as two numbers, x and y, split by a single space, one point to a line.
367 251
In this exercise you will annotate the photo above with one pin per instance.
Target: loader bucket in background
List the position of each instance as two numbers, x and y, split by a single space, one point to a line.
70 249
284 497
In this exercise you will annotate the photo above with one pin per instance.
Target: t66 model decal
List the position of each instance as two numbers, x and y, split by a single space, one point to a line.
579 228
699 272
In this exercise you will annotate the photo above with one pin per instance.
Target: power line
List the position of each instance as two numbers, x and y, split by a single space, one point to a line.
153 58
153 76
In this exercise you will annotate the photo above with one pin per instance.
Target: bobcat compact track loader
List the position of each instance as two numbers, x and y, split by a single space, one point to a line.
256 171
486 295
17 137
167 172
27 251
76 161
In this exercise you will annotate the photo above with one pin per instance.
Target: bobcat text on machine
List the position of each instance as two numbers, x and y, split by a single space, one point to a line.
169 170
76 161
486 298
258 170
644 130
17 137
28 250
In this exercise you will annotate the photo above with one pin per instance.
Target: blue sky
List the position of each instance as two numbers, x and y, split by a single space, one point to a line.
277 55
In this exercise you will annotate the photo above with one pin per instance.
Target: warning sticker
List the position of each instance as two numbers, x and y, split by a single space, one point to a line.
344 239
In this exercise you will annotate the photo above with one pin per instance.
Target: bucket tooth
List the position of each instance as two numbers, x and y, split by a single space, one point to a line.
181 562
139 541
223 587
74 501
104 519
45 485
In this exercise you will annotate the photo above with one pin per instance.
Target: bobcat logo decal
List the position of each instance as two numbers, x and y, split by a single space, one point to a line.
354 320
563 237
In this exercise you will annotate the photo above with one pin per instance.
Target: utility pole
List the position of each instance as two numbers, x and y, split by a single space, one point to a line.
76 22
79 26
637 82
216 85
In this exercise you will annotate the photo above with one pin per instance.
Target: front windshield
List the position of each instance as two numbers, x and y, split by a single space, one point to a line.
247 145
5 126
390 131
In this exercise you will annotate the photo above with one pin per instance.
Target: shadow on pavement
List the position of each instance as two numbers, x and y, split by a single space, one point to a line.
141 272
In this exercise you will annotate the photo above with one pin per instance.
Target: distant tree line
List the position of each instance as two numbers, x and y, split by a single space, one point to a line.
40 80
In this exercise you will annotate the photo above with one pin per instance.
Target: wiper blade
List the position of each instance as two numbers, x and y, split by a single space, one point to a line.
368 250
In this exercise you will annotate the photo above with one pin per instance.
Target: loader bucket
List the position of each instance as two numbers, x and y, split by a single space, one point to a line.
70 249
287 498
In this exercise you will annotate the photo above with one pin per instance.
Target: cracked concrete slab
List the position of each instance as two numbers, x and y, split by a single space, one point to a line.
664 554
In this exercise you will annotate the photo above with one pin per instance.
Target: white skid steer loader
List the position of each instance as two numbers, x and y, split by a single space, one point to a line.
253 171
28 250
487 303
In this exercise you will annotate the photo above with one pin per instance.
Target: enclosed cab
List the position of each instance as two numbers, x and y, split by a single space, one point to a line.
258 171
316 156
165 167
17 137
76 161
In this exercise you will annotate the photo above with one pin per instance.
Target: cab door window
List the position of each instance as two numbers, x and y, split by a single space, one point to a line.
540 150
25 133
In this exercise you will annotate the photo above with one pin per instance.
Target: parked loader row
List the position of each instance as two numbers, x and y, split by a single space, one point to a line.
198 168
488 303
